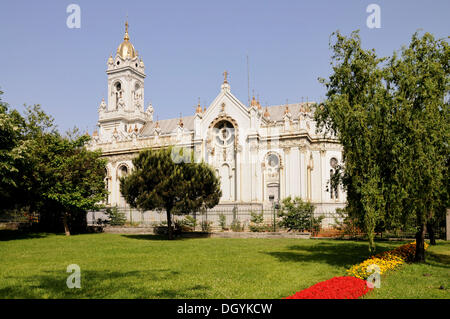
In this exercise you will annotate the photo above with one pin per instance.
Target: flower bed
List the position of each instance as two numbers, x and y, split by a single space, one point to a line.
387 260
335 288
355 285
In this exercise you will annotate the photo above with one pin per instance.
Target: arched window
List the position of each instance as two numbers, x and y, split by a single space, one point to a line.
273 178
117 93
223 138
123 171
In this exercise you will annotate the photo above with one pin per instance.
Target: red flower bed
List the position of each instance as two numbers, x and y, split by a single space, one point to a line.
335 288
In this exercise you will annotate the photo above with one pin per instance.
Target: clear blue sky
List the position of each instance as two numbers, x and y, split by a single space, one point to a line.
186 45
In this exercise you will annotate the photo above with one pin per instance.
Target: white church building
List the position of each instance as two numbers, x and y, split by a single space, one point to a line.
261 154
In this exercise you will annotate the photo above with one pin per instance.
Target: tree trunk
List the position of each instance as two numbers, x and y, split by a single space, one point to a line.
169 224
371 236
66 224
420 244
430 231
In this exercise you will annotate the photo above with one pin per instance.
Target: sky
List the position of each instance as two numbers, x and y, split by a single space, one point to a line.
187 45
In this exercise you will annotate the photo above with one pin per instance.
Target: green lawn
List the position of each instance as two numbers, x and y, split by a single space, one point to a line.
145 266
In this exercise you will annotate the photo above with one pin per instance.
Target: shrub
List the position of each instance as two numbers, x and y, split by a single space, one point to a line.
181 225
347 224
116 218
222 222
257 223
296 214
190 221
236 226
206 226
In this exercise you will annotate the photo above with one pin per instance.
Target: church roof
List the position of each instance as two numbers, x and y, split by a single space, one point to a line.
168 126
277 111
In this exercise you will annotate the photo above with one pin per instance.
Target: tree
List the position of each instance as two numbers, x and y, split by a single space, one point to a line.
72 177
420 81
13 154
392 119
160 183
42 171
354 110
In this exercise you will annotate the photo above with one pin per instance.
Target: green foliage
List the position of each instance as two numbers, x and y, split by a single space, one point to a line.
222 221
236 226
316 224
188 223
158 182
206 226
256 218
45 172
348 224
116 218
257 223
392 119
297 215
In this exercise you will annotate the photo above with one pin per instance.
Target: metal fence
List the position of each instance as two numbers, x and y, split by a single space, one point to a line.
233 218
322 224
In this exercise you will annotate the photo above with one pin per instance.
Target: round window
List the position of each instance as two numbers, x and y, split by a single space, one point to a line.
272 160
224 132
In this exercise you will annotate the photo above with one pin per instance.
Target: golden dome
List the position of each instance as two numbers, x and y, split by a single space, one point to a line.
126 49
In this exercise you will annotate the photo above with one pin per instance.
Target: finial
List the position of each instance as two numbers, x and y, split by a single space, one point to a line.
286 111
225 74
180 123
253 102
199 107
126 37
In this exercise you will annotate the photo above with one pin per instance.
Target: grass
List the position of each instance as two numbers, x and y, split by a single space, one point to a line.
147 266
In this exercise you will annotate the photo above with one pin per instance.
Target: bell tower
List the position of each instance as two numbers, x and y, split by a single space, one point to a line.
124 113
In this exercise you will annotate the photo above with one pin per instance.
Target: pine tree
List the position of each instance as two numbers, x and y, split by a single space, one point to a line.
160 183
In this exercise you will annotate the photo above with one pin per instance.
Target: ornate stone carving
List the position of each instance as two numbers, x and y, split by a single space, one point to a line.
102 107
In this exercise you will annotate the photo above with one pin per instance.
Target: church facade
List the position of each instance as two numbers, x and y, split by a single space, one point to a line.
261 154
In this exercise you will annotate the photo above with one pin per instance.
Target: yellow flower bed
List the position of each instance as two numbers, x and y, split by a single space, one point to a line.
385 261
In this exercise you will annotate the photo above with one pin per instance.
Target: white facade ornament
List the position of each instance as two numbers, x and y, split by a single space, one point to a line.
102 106
121 103
149 112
